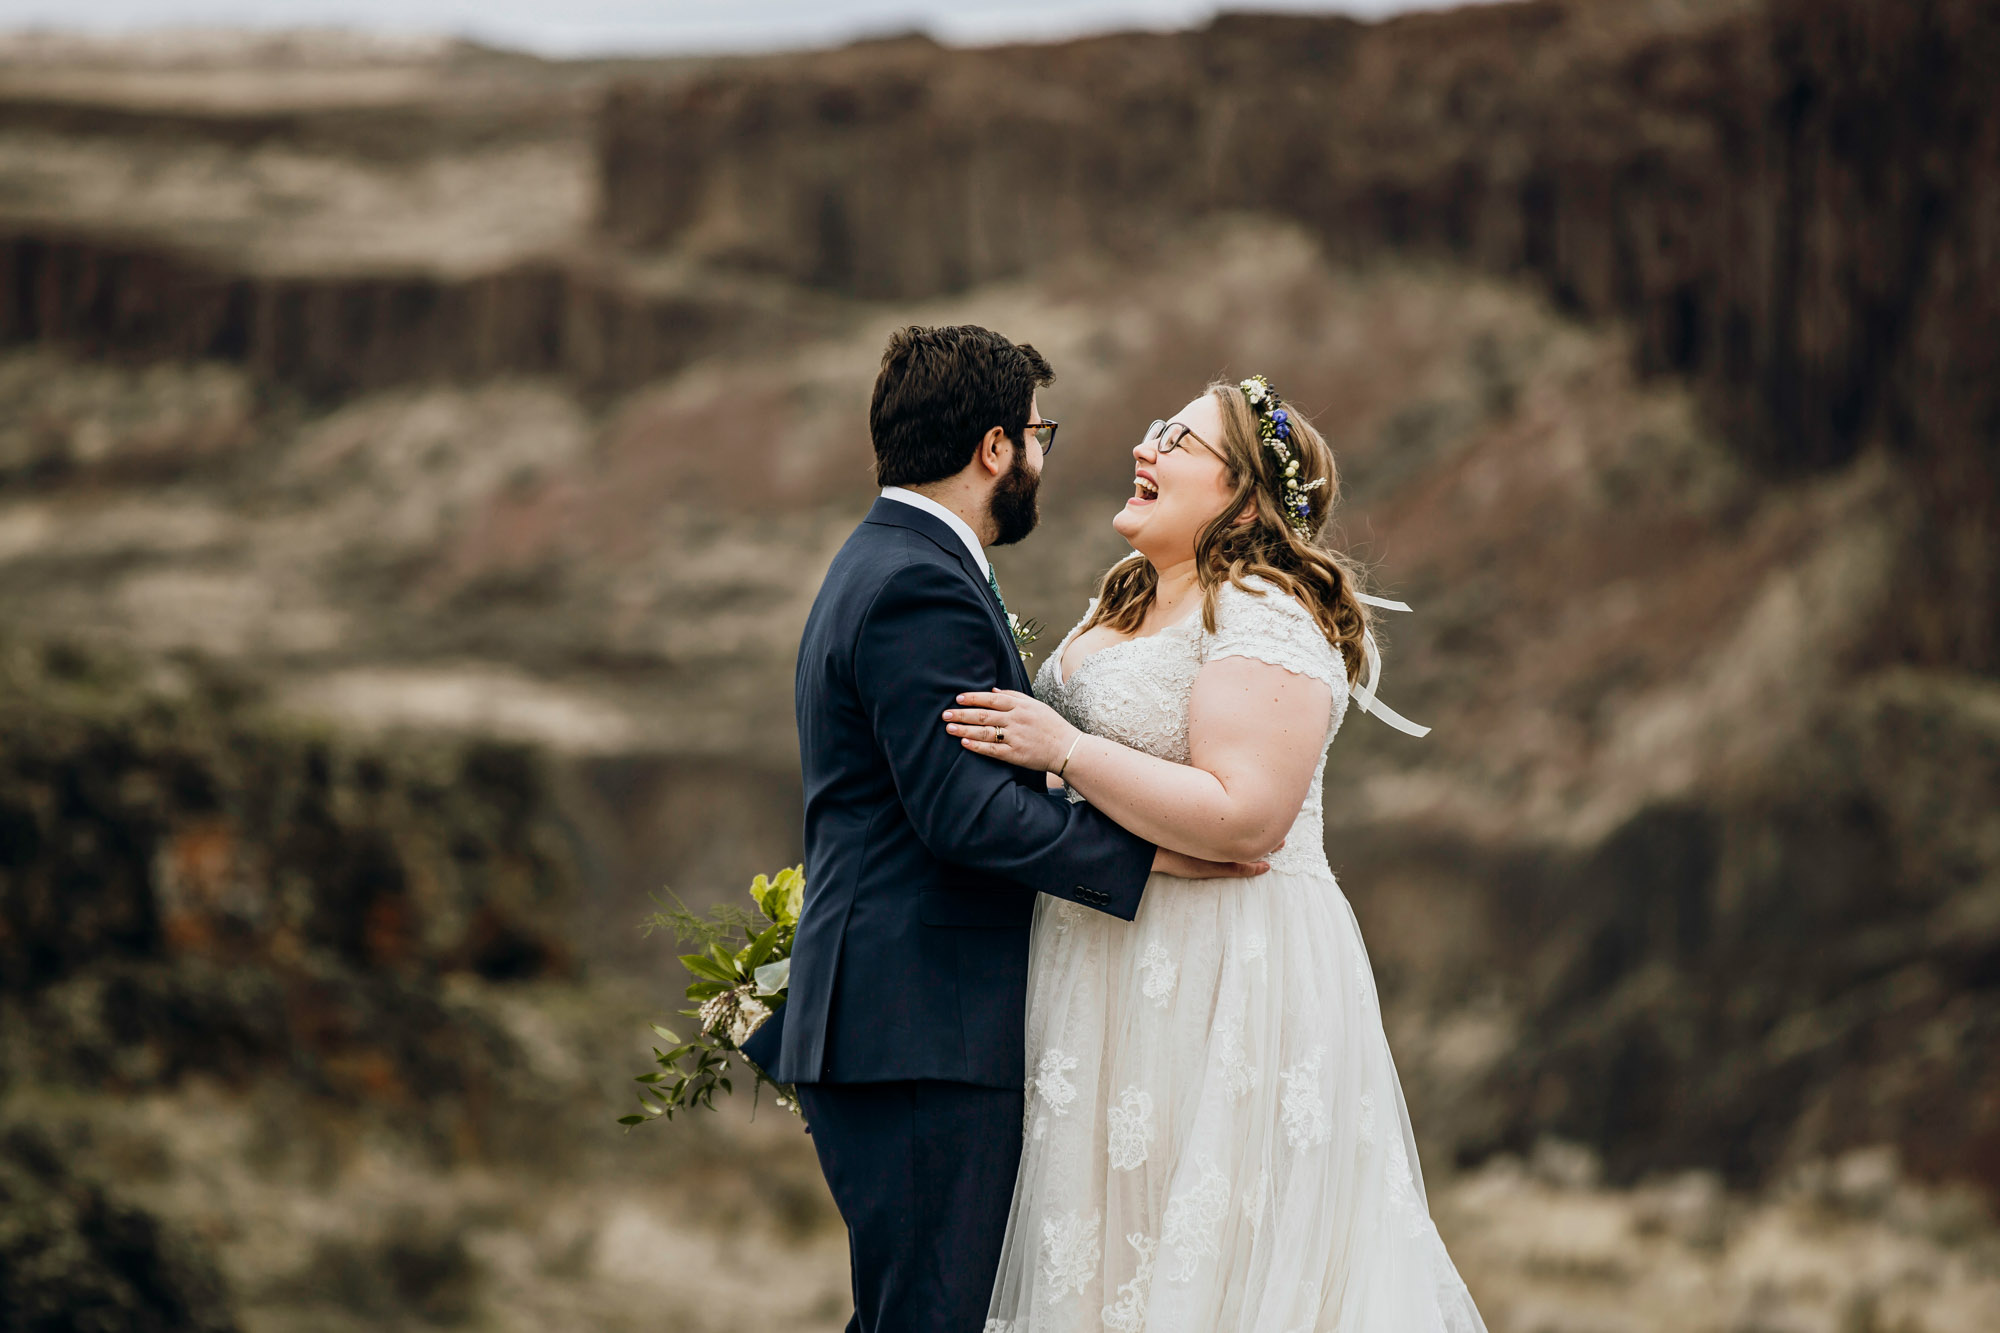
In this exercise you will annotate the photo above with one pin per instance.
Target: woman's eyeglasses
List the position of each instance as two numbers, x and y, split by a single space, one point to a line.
1167 436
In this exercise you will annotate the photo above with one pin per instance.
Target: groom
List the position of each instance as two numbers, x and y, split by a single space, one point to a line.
903 1030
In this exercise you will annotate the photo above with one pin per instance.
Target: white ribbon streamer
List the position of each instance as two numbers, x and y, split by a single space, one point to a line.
1364 693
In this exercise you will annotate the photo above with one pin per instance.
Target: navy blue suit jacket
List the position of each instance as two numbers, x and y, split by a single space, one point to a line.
922 858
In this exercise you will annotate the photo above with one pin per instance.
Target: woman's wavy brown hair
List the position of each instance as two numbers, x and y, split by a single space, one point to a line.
1267 546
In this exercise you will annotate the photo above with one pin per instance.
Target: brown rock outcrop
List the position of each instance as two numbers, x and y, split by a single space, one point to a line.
1748 982
185 890
1794 207
344 333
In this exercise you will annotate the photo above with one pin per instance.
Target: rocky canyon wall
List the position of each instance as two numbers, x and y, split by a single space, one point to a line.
1792 204
336 334
1794 207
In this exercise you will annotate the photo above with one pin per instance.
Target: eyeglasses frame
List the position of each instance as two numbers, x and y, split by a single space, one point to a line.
1163 425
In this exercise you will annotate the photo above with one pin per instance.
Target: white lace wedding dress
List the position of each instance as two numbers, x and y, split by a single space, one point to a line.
1215 1138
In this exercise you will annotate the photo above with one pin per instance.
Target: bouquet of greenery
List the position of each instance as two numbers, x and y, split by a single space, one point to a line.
740 974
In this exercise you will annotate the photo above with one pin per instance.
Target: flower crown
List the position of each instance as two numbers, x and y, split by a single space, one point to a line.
1274 428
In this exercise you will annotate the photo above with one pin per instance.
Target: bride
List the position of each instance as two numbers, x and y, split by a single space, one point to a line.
1215 1137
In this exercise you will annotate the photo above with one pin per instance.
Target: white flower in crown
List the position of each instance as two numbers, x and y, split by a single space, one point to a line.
1255 389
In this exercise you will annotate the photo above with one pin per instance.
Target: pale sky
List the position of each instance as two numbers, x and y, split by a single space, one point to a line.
635 27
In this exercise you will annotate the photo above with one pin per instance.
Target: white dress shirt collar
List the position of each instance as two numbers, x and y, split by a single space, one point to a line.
953 521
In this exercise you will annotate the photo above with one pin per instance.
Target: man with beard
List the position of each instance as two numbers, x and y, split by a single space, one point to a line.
903 1030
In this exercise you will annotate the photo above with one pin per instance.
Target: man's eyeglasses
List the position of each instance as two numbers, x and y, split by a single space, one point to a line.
1167 436
1045 434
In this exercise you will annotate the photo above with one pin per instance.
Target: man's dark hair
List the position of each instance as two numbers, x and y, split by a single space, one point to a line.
940 391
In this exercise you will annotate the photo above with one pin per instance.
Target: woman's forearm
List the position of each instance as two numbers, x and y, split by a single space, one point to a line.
1176 806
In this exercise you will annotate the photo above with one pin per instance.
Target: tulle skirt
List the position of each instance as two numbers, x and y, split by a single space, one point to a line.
1215 1138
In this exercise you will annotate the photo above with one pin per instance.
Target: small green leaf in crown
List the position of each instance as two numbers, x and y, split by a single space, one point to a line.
1274 428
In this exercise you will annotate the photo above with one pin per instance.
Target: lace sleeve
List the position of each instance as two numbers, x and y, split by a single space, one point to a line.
1272 627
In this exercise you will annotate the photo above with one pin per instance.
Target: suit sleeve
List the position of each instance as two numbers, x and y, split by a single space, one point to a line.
925 639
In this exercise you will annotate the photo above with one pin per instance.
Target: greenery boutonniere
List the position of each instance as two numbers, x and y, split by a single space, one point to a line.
1025 634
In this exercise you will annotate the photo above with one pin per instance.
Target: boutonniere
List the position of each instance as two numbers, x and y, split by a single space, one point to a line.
1025 634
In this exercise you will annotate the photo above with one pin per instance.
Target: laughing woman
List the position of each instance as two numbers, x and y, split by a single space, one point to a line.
1215 1135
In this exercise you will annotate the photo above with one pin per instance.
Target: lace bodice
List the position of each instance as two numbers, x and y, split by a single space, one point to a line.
1137 691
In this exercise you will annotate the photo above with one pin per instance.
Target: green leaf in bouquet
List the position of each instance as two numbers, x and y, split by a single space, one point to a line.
704 966
665 1035
779 899
759 949
704 990
631 1120
793 881
725 960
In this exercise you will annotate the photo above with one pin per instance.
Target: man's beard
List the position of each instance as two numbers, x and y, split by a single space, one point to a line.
1013 505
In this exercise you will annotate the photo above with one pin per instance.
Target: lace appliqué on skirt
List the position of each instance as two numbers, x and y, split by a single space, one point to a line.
1193 1224
1069 1254
1129 1314
1129 1129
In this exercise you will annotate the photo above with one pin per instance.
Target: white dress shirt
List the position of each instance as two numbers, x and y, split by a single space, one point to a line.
953 521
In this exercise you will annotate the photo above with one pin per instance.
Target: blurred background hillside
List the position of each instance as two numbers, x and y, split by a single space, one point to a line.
417 459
